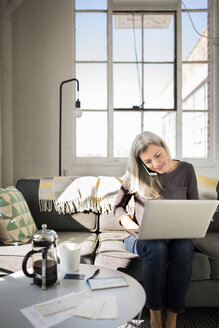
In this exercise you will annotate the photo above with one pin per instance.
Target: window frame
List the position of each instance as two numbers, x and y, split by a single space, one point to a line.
120 161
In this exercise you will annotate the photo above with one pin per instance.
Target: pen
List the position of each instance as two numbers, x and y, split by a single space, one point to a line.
93 275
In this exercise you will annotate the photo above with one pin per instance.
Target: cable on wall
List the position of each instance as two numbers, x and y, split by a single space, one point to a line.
215 40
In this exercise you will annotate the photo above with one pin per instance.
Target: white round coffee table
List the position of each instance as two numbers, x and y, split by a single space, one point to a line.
19 293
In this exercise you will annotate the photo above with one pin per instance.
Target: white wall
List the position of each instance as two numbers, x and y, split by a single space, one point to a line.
6 136
42 58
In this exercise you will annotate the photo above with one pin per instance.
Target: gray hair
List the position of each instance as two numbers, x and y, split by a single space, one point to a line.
139 183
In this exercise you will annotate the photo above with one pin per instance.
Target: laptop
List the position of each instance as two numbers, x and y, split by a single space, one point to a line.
175 219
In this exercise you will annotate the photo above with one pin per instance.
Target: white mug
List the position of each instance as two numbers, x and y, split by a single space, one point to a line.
69 254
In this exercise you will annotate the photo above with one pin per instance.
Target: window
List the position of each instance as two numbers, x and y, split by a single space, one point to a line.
195 84
133 77
143 60
144 69
91 70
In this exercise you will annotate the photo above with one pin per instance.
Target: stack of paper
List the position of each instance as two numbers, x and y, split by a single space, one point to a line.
81 304
59 304
97 307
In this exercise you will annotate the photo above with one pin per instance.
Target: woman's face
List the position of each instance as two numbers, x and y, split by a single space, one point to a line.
156 159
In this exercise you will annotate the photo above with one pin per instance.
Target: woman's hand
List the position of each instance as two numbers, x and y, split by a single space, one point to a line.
127 222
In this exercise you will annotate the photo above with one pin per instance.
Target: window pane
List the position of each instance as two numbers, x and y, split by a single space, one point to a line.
195 86
91 36
198 99
126 40
158 86
126 88
126 126
195 135
195 4
158 37
93 85
91 135
90 4
164 125
194 46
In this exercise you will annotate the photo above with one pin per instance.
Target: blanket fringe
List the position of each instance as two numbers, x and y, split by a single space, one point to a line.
76 206
46 205
90 205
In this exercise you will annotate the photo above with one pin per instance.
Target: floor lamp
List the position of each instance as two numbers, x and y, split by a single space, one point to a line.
77 105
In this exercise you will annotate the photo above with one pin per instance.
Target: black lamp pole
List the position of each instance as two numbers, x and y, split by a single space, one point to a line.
77 104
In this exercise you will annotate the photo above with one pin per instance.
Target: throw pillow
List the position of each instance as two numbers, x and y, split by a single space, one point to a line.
16 222
207 187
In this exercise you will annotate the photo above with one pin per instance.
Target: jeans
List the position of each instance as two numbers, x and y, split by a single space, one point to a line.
166 272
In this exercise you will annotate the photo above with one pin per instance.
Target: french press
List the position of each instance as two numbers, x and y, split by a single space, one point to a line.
44 258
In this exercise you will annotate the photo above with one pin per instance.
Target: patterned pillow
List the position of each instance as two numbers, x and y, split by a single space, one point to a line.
16 222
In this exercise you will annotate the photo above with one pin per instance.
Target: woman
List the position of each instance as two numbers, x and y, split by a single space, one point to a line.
167 264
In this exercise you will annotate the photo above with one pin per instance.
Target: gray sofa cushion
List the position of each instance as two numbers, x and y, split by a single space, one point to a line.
214 268
128 263
87 220
11 257
201 268
210 247
108 222
132 264
112 253
214 225
87 240
112 241
203 293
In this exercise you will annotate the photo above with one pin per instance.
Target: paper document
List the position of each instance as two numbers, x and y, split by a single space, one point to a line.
97 307
112 282
59 304
39 321
110 308
82 304
90 307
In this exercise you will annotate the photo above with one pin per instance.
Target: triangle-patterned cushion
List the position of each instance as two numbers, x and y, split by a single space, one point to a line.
16 222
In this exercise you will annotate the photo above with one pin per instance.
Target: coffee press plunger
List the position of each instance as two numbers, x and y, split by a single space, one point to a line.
44 257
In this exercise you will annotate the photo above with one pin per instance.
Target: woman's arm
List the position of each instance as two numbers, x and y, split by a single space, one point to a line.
192 188
127 222
120 212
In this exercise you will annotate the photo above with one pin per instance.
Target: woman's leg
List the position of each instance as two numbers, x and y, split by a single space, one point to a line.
157 255
154 271
179 273
155 261
170 320
156 318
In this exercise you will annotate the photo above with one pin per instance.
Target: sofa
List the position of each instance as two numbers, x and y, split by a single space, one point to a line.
101 238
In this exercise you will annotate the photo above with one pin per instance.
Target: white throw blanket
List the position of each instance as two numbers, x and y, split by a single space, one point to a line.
79 196
50 189
88 193
96 194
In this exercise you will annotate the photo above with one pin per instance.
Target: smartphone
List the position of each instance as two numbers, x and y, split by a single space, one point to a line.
151 173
